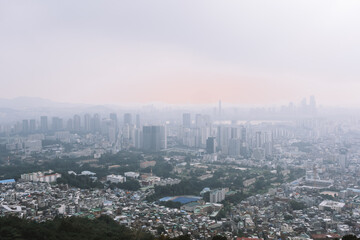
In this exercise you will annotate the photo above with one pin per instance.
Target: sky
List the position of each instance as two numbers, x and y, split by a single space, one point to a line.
181 52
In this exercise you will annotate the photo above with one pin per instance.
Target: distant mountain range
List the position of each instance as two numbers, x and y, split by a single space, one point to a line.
32 107
21 103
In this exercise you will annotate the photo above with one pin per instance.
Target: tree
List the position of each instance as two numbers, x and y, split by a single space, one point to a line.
130 185
218 237
183 237
160 230
349 237
295 205
103 227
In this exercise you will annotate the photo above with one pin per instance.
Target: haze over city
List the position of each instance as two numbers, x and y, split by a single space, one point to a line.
179 120
181 52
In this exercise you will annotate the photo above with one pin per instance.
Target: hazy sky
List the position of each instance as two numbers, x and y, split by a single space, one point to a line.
246 52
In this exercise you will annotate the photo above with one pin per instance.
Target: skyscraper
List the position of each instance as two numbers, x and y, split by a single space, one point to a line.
70 125
44 123
77 123
187 120
87 122
127 119
25 126
268 143
154 138
56 124
138 123
234 132
97 125
343 161
163 137
199 120
114 120
211 145
243 135
223 136
138 138
32 126
258 140
234 147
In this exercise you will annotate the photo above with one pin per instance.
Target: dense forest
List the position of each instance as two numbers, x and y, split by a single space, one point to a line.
73 228
79 181
68 228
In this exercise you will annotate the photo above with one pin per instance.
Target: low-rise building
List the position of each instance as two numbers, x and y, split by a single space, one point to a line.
115 178
331 205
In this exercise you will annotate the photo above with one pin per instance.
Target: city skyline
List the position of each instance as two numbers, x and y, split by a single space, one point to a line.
180 120
28 101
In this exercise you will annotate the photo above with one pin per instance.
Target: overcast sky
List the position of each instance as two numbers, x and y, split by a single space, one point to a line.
244 52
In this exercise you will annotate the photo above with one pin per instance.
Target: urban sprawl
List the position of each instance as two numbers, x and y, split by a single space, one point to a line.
293 174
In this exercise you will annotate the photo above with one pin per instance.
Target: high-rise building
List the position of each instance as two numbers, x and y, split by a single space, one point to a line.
234 132
268 143
18 127
258 140
223 136
112 134
234 147
138 138
187 120
70 125
77 123
199 120
138 123
217 195
56 124
32 127
211 145
87 122
154 138
25 126
114 120
343 161
163 137
44 124
127 119
97 124
243 135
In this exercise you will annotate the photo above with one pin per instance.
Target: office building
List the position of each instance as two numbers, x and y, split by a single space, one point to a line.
258 140
186 120
87 122
69 124
234 147
32 126
25 126
138 123
154 138
114 120
127 119
96 123
211 145
44 124
56 124
77 123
